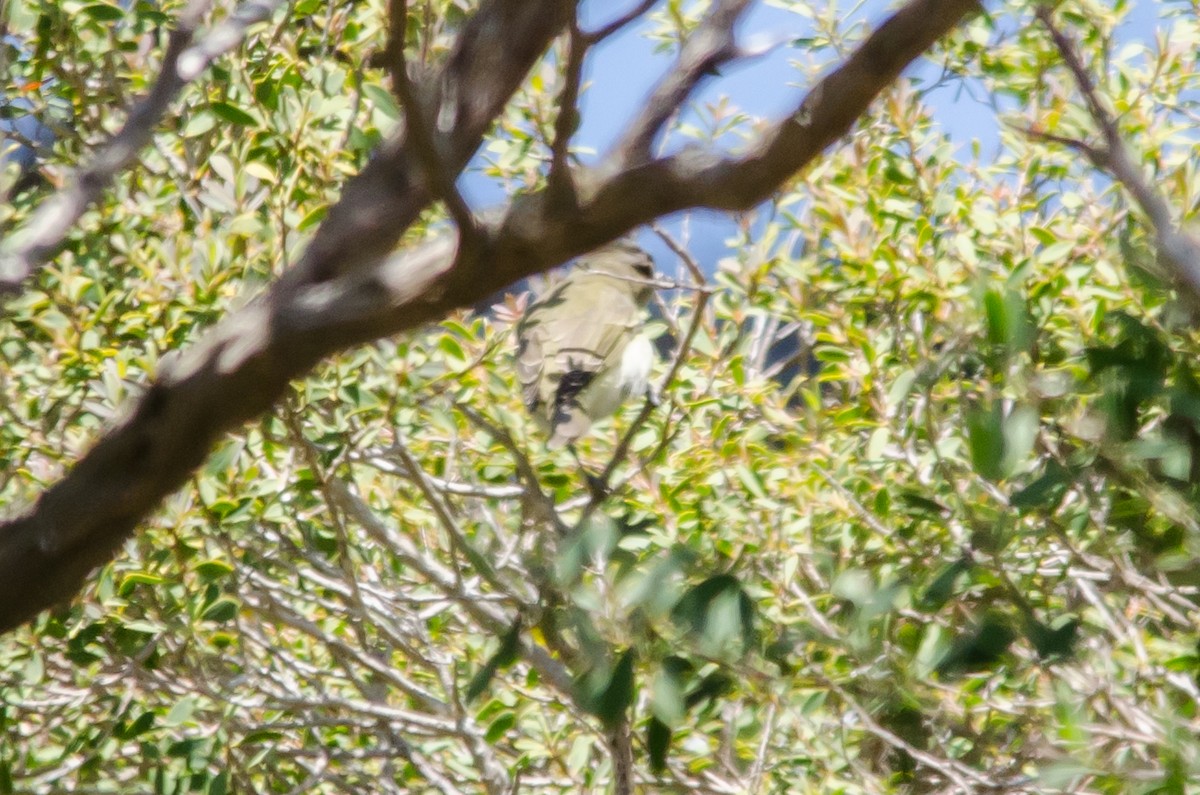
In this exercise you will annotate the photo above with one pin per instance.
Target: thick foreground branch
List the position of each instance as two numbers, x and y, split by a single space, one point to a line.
347 290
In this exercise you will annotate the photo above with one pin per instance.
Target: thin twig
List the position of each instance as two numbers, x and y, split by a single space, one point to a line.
538 505
703 296
457 536
602 33
680 251
381 460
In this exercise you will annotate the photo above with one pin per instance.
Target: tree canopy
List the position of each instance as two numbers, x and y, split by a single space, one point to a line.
917 511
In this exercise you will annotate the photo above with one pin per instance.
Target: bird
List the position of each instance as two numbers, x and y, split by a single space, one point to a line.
581 350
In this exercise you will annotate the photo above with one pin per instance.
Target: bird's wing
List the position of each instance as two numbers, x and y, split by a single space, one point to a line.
558 355
531 361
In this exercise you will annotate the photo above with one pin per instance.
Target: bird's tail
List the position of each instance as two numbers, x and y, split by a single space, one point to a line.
569 423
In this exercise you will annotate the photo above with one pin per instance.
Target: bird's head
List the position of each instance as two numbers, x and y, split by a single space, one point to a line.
624 260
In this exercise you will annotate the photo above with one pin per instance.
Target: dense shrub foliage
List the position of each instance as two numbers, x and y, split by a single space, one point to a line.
917 512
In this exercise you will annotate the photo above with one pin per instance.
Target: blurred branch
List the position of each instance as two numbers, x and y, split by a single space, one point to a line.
419 133
560 186
480 609
43 234
963 778
680 251
620 745
603 32
381 460
348 288
707 48
1179 250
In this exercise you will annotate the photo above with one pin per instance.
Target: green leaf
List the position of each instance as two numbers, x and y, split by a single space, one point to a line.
382 100
505 655
667 696
312 218
233 114
181 712
104 12
1046 491
658 742
222 610
711 687
1052 642
35 669
943 586
979 648
198 123
985 436
613 702
500 726
137 578
211 570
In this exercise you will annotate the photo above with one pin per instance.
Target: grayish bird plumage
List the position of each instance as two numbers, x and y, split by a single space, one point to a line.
580 353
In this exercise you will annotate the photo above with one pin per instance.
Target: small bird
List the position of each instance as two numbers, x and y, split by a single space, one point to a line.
580 350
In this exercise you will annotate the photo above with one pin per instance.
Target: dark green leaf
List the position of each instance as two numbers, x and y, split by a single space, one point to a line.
233 114
222 610
943 586
500 726
104 12
613 703
979 648
506 655
658 742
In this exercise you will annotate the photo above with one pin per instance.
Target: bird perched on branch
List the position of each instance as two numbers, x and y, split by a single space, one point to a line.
580 348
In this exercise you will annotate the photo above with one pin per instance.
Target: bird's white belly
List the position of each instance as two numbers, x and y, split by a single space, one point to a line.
615 385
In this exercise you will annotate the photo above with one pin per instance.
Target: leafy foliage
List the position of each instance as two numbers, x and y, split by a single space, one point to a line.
918 511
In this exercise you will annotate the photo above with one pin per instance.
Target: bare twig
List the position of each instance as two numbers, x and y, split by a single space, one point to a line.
482 611
382 460
680 251
603 32
450 525
539 507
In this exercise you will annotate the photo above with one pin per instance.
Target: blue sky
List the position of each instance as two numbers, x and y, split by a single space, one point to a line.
621 71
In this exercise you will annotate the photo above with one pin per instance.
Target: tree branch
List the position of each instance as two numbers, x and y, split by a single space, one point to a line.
492 55
1179 250
345 291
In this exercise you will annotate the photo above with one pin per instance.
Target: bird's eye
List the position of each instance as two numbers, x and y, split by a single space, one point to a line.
644 269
